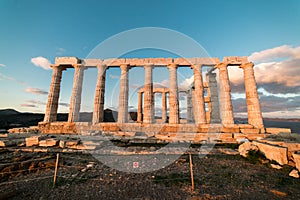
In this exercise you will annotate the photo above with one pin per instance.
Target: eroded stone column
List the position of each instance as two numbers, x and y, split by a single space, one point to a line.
214 98
189 104
225 97
253 105
53 96
123 96
148 96
173 100
98 114
140 109
199 110
164 107
76 94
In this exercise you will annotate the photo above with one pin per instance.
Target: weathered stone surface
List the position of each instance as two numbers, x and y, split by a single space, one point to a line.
276 153
249 131
48 142
7 143
33 140
294 173
228 151
296 158
246 147
278 130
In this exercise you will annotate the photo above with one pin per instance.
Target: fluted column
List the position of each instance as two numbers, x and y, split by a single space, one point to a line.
173 100
199 110
98 113
76 94
123 96
189 105
253 106
140 109
214 98
225 97
148 96
53 96
164 107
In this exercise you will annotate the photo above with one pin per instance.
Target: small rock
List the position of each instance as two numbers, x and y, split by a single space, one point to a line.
276 166
294 173
246 147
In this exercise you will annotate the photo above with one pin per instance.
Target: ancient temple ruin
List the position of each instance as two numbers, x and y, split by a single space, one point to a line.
199 118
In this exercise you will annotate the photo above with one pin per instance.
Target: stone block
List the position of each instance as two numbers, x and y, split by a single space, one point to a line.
85 147
294 173
66 60
296 158
48 142
278 130
250 130
33 140
230 130
72 143
272 152
246 147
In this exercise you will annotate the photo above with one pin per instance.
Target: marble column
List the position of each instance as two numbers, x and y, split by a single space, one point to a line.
173 100
199 110
76 93
214 98
140 109
164 107
148 96
189 105
98 114
225 97
253 105
53 96
123 96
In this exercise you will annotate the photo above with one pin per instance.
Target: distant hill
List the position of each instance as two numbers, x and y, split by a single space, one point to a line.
8 112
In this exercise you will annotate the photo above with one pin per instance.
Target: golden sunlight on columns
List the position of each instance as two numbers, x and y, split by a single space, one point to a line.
98 113
123 96
76 93
140 109
173 100
53 96
199 110
253 106
225 97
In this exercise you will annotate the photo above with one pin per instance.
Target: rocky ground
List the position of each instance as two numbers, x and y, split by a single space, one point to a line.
80 176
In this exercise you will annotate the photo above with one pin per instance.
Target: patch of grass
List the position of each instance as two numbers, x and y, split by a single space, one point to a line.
173 179
229 145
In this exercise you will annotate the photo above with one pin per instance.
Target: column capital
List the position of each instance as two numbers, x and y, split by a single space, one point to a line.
246 65
59 67
149 66
79 66
125 67
172 66
101 66
196 66
221 65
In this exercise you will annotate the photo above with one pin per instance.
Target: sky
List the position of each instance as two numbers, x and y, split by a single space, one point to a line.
34 32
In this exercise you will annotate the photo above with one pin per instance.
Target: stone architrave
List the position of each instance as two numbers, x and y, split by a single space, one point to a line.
148 96
76 93
225 97
98 113
164 107
123 96
199 109
253 106
140 109
173 94
53 97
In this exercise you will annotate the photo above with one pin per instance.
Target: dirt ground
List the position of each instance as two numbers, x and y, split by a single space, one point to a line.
80 176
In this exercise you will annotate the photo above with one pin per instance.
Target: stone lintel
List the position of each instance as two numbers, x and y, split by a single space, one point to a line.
235 60
67 60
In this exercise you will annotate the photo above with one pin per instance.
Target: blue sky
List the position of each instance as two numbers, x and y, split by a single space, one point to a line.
267 31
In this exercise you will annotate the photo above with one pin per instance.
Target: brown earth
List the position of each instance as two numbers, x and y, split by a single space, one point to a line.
217 176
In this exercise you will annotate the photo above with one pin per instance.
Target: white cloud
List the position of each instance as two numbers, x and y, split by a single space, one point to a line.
2 65
114 76
60 51
35 91
41 62
186 83
277 53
